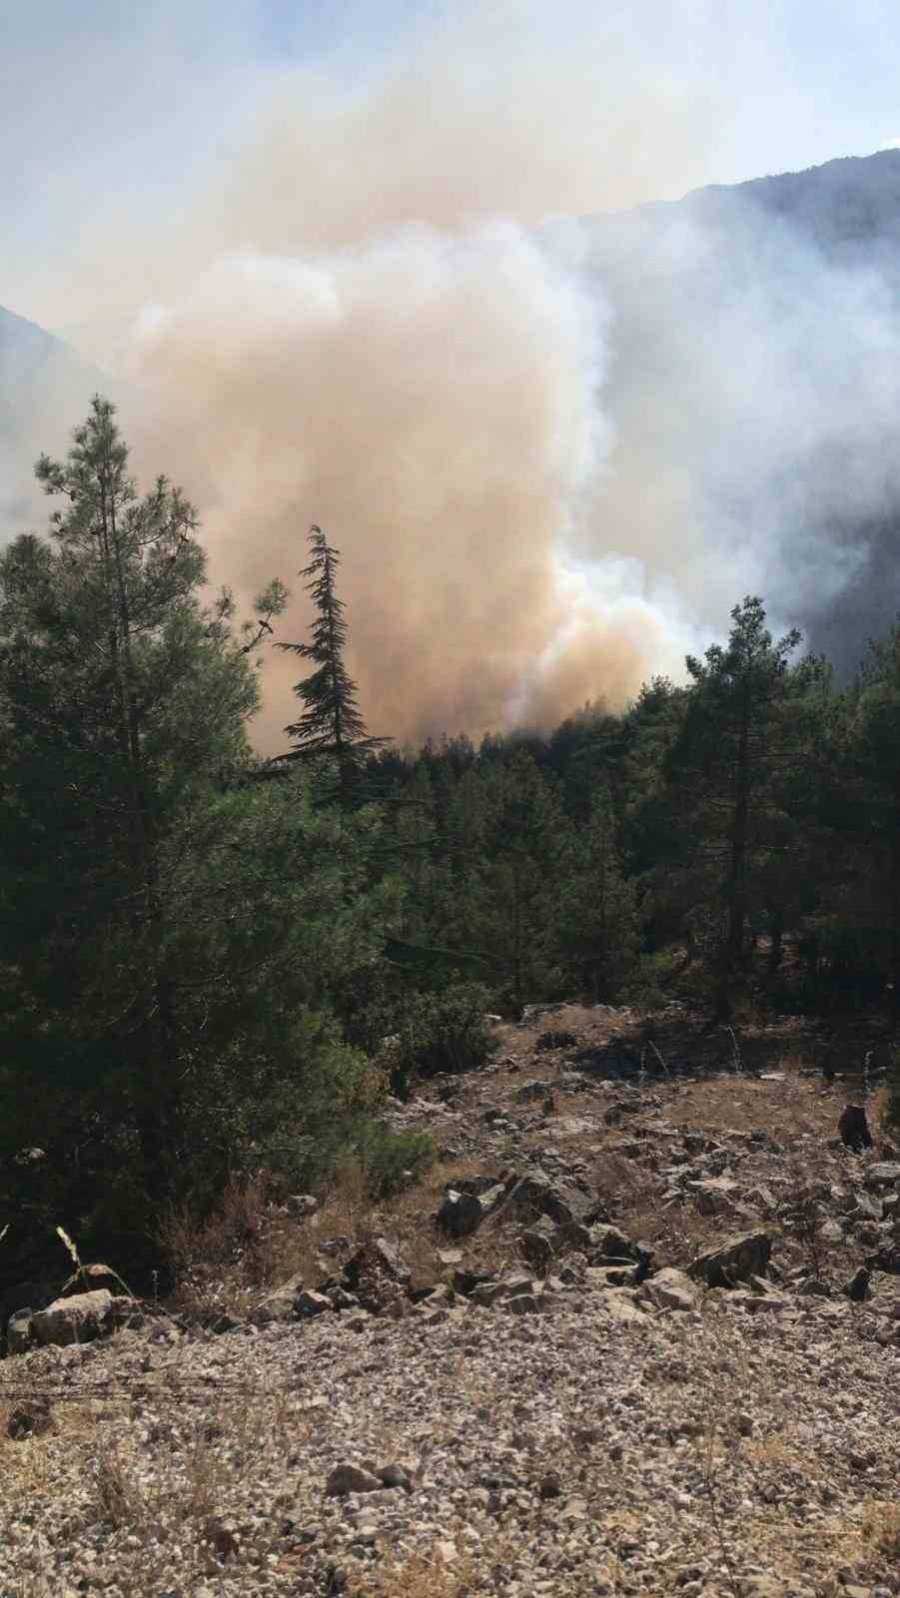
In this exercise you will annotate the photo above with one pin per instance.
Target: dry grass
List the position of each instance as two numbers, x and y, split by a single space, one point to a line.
178 1488
120 1499
881 1531
250 1244
423 1576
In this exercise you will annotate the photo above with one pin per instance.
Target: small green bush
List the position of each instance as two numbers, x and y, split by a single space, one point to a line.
427 1033
393 1160
649 986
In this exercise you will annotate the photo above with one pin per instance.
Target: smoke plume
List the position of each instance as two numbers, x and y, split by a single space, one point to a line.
361 327
553 453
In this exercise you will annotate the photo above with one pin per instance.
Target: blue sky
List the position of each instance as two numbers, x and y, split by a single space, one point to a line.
116 116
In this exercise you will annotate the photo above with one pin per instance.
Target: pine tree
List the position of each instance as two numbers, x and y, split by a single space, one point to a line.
866 814
508 837
122 702
332 723
599 911
724 770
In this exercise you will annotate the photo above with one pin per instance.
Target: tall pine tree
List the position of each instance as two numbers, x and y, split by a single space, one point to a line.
724 773
331 723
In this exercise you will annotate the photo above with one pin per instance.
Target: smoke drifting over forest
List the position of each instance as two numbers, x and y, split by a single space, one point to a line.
366 331
553 454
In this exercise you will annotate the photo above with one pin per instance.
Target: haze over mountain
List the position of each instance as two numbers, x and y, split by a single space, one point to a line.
44 387
755 392
561 454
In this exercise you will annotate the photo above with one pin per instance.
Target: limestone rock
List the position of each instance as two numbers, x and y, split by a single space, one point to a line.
537 1249
668 1289
715 1195
19 1336
735 1260
347 1478
883 1174
310 1303
29 1417
78 1319
279 1305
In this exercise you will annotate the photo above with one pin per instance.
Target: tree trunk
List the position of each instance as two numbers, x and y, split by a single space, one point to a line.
894 903
776 951
736 881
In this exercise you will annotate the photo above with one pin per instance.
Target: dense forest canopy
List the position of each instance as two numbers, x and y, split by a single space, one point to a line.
210 962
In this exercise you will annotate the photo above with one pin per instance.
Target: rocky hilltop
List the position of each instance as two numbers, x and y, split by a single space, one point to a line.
637 1333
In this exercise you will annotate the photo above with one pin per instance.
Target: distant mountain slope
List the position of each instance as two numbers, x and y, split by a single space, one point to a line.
44 388
847 202
755 394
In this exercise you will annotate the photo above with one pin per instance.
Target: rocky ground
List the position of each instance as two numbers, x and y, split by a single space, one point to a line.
605 1348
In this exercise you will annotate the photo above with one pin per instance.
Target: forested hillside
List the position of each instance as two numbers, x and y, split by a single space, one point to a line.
212 964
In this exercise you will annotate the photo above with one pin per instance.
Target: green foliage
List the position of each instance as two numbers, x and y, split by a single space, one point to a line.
414 1033
331 723
723 778
303 1128
438 1032
507 839
391 1161
599 908
172 933
207 977
650 981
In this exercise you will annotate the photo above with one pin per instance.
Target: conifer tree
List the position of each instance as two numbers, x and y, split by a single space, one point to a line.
331 723
599 921
122 701
866 814
724 769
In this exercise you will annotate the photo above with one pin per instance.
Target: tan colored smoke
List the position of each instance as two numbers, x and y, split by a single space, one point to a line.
430 401
350 333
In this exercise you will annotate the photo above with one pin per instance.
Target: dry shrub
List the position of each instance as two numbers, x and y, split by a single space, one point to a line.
473 1574
249 1242
119 1497
881 1530
226 1247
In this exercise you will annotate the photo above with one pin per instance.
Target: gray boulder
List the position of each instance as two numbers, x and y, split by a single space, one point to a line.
19 1337
460 1214
735 1260
714 1195
537 1249
883 1174
278 1306
668 1289
523 1304
347 1478
78 1319
309 1304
